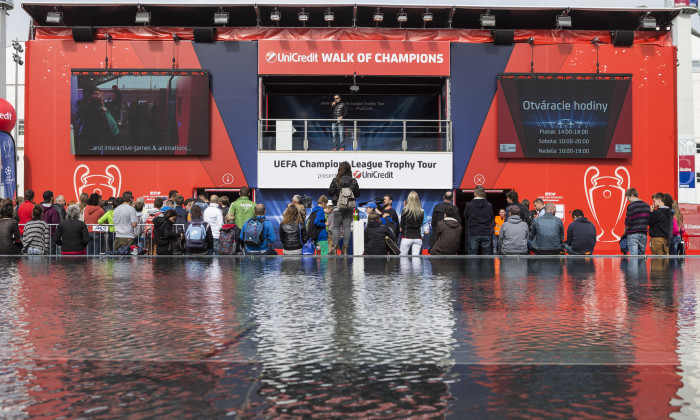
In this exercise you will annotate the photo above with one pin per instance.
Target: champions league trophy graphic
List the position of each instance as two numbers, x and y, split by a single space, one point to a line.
101 184
606 199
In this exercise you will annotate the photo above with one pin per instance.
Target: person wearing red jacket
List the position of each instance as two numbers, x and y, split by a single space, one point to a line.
24 212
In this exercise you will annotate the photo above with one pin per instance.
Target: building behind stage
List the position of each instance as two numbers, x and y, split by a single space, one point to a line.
438 106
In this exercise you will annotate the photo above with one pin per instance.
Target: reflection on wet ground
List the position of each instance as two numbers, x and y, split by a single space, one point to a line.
340 337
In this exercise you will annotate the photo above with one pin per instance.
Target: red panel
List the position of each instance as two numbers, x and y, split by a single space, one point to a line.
396 58
653 164
49 162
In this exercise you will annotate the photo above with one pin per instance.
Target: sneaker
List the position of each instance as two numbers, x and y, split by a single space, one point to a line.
342 149
333 149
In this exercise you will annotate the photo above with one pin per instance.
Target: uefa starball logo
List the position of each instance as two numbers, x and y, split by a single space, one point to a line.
271 57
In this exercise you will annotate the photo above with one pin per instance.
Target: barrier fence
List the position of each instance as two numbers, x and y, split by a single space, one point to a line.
355 134
102 238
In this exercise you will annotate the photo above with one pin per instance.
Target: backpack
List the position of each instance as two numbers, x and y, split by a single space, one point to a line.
311 228
253 231
346 199
228 241
196 236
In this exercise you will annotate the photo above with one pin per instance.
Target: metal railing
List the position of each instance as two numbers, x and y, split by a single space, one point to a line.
362 134
102 237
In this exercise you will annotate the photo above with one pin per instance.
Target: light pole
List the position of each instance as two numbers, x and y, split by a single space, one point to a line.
18 62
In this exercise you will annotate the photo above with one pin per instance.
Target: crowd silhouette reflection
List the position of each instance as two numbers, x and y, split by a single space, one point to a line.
349 336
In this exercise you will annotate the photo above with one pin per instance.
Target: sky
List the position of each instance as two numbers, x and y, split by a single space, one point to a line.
17 24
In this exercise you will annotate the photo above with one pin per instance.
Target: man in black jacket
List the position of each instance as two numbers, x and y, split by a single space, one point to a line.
338 111
439 214
480 220
660 225
580 236
512 199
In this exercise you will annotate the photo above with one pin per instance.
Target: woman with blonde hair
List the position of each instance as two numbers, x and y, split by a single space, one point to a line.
412 220
678 229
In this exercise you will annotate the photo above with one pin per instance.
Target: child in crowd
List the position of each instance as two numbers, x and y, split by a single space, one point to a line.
323 245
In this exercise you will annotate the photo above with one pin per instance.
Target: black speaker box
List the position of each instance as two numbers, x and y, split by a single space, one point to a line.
503 37
83 34
623 38
204 34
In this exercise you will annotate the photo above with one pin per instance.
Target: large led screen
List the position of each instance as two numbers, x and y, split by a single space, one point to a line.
140 112
562 116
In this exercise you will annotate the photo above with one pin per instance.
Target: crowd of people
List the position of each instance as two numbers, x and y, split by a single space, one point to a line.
212 225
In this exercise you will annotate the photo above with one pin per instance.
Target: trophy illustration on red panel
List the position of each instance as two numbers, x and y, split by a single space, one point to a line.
606 199
107 185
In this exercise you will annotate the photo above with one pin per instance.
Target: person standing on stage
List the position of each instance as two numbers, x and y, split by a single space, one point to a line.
338 111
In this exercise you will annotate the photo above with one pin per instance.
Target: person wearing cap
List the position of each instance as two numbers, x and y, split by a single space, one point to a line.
50 216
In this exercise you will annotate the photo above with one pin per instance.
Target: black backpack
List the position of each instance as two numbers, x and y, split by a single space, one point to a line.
311 228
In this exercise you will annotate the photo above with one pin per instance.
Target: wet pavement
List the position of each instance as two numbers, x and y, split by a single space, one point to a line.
349 337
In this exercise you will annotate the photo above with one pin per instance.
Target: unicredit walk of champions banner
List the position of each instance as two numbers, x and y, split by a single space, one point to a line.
8 182
345 57
583 116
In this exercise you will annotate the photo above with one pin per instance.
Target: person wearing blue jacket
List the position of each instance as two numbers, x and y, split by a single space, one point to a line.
268 234
320 223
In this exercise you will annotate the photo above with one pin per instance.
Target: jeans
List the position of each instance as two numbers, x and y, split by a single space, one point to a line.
495 244
215 250
569 250
479 245
637 243
344 217
675 244
337 130
413 244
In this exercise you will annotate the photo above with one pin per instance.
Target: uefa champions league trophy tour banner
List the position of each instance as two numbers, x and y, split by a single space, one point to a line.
375 58
316 170
582 116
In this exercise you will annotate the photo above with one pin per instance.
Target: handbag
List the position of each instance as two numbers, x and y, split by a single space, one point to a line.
309 248
391 246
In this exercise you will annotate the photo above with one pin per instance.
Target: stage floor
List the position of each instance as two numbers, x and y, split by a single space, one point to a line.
531 337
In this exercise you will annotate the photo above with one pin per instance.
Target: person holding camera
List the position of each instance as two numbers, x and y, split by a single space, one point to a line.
338 111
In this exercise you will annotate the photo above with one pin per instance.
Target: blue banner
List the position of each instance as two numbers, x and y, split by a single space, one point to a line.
8 182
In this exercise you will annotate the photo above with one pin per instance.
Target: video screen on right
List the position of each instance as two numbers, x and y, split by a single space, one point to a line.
564 116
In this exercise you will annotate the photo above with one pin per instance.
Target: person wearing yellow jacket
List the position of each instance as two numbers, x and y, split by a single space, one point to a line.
108 219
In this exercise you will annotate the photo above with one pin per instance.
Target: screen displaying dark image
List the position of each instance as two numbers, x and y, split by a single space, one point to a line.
140 112
580 116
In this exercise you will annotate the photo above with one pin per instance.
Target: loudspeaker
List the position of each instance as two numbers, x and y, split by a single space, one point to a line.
503 37
204 34
83 34
623 38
